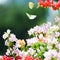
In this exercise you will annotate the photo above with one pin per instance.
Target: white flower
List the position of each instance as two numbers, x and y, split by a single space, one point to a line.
31 51
17 44
49 41
31 31
31 41
8 31
58 46
54 28
41 48
35 54
48 58
47 54
58 54
50 54
49 47
57 34
54 53
38 50
12 38
23 53
5 36
6 43
46 27
58 58
16 51
37 29
54 40
40 36
57 19
8 52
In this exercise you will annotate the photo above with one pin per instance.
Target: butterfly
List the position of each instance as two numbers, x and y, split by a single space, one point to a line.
31 17
31 5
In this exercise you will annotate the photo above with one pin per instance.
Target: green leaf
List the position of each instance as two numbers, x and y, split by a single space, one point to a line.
59 39
53 58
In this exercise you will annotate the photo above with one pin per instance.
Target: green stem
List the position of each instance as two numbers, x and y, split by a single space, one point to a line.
59 12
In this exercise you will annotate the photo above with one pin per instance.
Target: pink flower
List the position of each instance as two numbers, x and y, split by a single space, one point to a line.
57 34
8 52
31 41
31 31
6 43
5 36
12 38
58 56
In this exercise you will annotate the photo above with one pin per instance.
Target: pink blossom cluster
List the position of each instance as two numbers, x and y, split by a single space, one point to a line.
44 44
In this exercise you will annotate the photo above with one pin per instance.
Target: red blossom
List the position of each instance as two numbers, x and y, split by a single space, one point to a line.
41 3
55 7
7 58
58 4
49 3
37 59
46 3
18 58
29 58
1 58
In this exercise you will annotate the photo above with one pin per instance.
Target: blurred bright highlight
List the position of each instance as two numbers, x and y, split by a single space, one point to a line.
3 1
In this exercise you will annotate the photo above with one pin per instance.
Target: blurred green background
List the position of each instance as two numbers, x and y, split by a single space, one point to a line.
13 17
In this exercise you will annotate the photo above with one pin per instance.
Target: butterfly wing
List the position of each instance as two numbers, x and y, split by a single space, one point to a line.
31 5
28 15
31 17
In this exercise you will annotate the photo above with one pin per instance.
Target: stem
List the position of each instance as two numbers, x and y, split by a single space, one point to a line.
59 12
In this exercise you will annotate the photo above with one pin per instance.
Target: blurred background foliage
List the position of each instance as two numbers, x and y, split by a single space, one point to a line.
13 17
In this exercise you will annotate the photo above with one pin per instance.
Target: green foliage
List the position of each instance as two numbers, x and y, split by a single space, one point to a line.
26 48
54 59
38 44
40 54
59 39
42 50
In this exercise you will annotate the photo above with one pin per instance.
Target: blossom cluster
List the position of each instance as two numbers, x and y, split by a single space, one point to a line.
57 20
44 44
49 3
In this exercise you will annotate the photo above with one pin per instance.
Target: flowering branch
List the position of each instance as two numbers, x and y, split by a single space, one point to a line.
49 3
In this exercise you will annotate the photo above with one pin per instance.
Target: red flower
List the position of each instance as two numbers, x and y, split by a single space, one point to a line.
58 4
10 58
46 3
41 3
7 58
36 59
49 3
18 58
1 58
55 7
29 58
